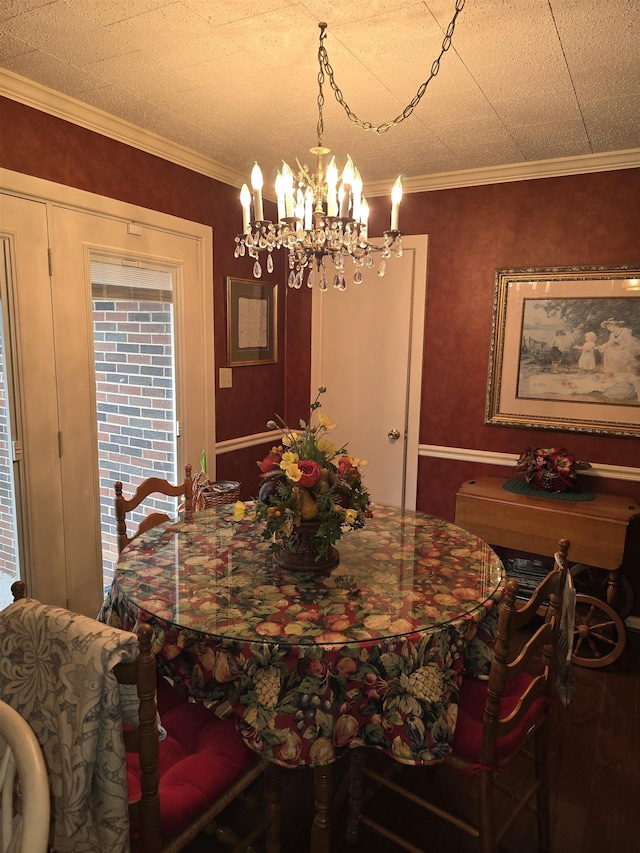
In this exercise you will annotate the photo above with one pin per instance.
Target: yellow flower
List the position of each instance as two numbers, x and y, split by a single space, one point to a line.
327 447
291 470
326 422
289 438
289 465
358 463
239 510
350 515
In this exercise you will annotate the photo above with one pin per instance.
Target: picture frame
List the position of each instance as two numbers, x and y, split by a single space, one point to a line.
565 350
252 328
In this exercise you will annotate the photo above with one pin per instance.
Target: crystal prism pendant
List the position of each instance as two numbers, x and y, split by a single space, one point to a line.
292 278
357 277
269 262
298 280
310 279
324 284
382 268
339 282
257 270
236 253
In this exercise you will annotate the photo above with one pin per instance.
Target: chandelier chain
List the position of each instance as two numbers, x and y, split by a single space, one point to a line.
325 65
320 82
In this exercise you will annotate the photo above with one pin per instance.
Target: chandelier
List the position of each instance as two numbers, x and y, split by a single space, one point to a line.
320 214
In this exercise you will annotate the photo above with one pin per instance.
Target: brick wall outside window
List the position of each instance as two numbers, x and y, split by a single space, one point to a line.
135 399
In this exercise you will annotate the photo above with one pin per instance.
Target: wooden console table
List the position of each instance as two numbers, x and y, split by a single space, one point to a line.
597 531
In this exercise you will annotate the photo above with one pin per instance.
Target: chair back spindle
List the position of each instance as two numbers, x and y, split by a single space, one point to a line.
150 486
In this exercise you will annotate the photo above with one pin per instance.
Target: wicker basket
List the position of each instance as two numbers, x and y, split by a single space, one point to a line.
207 494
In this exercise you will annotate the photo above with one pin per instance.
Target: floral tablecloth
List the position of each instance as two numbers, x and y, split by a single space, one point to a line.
371 653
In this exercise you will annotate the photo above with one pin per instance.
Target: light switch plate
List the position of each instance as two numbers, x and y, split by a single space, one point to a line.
224 379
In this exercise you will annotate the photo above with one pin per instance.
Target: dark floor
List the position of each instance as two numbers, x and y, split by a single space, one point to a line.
595 782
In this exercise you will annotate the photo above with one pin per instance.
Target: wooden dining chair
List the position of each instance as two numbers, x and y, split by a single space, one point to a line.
23 780
184 765
180 782
148 487
497 718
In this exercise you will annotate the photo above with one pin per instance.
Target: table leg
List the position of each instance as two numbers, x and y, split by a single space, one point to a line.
356 794
274 809
321 827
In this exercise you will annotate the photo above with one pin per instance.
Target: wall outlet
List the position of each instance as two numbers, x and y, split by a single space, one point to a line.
224 380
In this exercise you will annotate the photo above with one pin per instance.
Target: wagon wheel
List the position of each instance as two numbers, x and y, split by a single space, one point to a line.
589 580
599 634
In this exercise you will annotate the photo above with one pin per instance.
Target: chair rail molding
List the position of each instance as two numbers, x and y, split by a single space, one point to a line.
492 457
240 443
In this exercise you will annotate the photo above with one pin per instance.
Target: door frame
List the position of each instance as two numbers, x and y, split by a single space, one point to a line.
418 244
58 195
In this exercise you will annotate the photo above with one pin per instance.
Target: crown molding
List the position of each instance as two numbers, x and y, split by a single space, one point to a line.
606 162
40 97
69 109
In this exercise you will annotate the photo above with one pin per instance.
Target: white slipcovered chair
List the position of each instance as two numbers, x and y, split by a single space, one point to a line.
21 761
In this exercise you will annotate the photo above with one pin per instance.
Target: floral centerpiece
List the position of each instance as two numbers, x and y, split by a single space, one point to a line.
311 493
552 469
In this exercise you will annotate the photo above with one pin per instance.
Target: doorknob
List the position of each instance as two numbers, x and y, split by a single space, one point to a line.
393 434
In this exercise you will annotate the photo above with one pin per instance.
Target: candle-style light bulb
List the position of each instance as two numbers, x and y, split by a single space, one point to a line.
347 182
299 208
256 185
308 208
280 196
332 185
396 198
364 218
287 181
245 201
356 194
341 199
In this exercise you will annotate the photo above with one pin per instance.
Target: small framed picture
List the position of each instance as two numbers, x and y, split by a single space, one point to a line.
565 350
252 312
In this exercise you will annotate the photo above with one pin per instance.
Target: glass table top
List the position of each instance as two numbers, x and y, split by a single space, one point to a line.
403 572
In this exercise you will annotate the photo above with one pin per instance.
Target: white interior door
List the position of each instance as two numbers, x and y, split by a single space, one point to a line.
367 352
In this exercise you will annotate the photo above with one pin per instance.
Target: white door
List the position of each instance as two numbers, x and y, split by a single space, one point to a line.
35 500
55 438
78 237
367 351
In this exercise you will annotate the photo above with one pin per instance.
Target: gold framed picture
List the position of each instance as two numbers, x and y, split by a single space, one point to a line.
565 350
252 329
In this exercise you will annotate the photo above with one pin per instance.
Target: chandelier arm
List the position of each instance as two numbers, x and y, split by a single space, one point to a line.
406 112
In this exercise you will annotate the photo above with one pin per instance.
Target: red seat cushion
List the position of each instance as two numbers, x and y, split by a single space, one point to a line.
199 759
473 696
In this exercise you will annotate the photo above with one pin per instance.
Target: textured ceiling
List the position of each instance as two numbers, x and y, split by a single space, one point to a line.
236 80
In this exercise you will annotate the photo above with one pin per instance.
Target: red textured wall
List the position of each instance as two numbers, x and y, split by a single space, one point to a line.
582 219
574 220
41 145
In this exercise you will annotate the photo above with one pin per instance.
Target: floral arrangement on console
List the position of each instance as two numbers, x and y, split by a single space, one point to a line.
552 469
307 479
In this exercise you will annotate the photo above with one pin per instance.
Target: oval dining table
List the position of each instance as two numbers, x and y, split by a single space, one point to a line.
370 653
